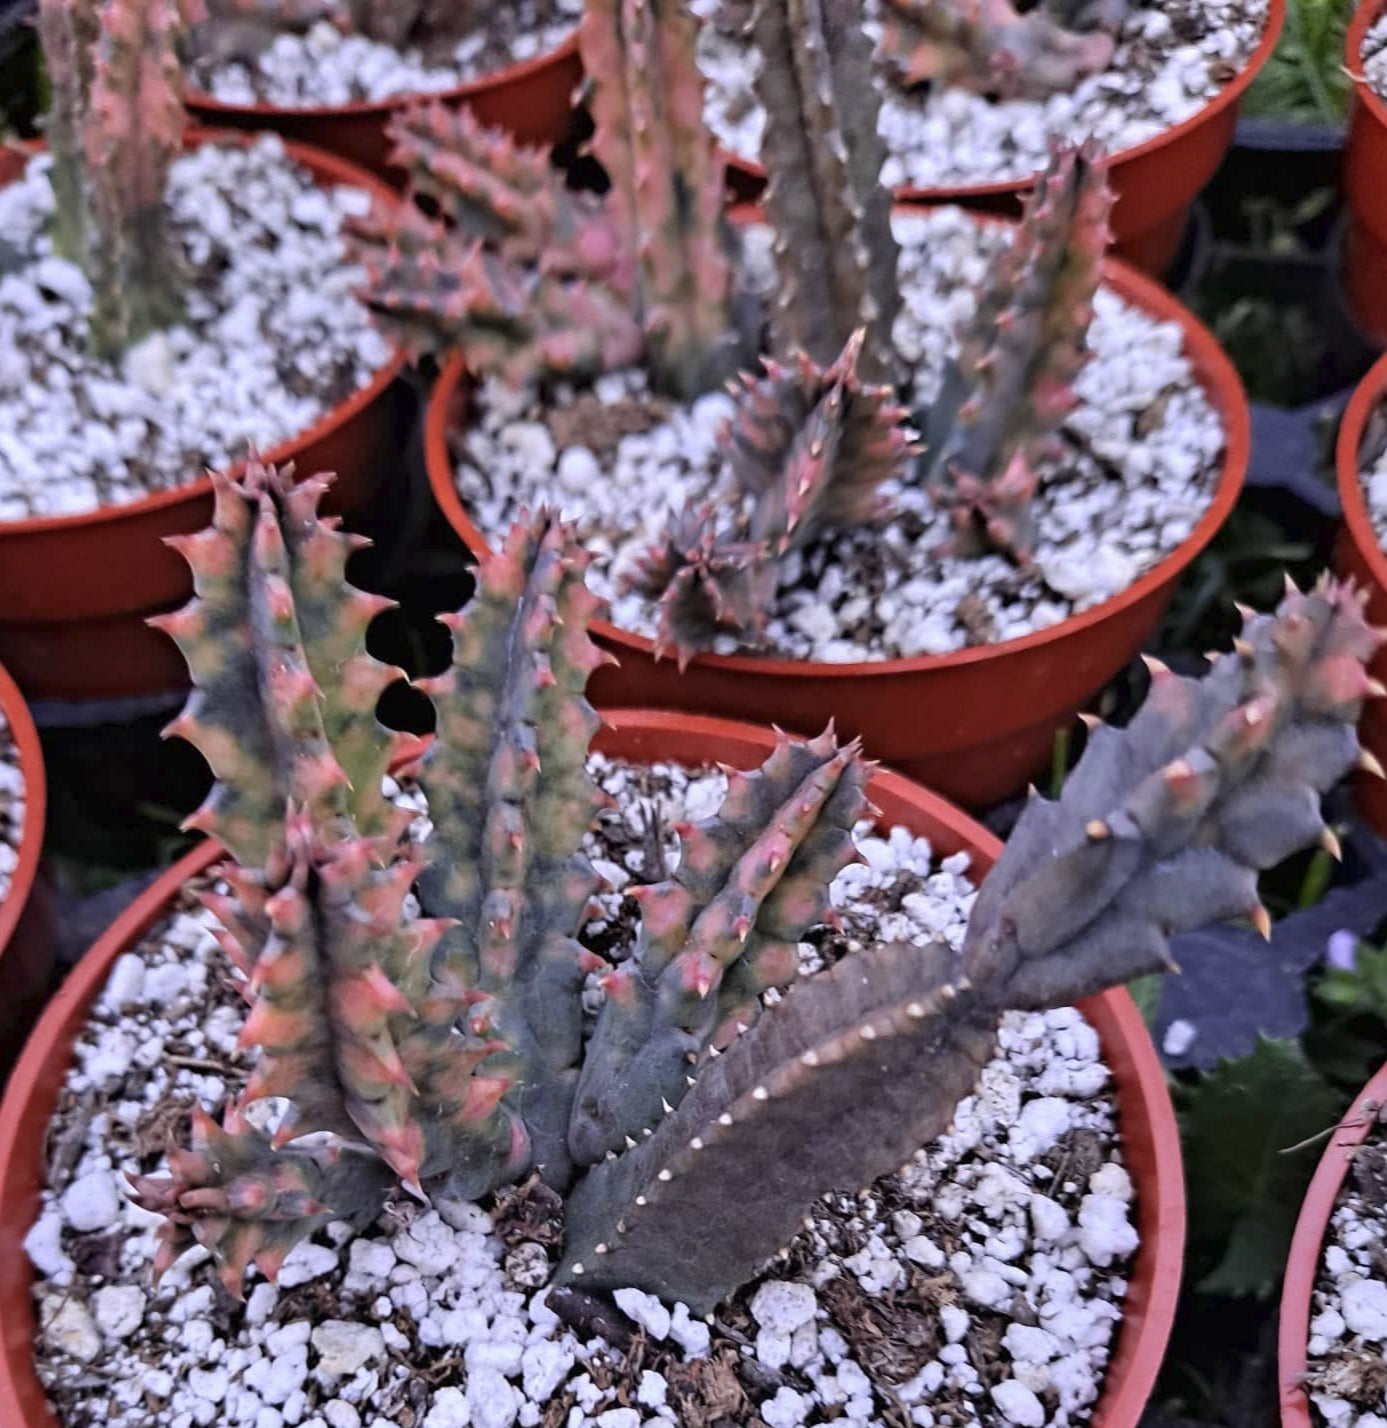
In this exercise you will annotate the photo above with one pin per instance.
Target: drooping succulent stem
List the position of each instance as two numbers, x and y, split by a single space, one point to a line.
1006 393
989 47
666 197
1160 828
835 254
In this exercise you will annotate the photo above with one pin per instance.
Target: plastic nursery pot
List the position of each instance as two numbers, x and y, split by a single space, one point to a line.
1150 1141
1365 183
26 909
1359 556
974 724
1154 182
532 100
1303 1265
75 591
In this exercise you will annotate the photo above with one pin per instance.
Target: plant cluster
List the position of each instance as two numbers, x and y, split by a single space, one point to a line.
115 125
243 29
534 282
690 1128
991 47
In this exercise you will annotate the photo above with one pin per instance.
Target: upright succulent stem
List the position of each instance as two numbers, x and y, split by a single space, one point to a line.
68 31
835 254
667 184
1011 385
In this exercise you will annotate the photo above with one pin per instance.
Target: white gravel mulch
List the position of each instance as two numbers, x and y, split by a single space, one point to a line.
1374 57
325 68
11 806
1142 452
1174 56
1373 475
982 1285
1347 1372
272 340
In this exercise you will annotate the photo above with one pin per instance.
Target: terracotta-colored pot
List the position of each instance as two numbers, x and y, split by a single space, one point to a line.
1306 1244
1155 182
26 910
974 724
1358 555
1150 1140
532 100
75 591
1365 184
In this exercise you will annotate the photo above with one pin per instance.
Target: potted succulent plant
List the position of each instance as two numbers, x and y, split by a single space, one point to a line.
991 585
1334 1299
973 94
1361 469
1365 152
25 907
451 1004
331 73
171 301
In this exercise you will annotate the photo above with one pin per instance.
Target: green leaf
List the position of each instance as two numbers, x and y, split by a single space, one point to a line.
1244 1191
1146 993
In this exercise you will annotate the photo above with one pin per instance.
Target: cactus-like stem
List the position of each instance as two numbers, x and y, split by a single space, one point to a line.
68 33
751 882
810 448
509 196
710 582
835 254
989 47
283 705
666 197
248 1203
1164 826
1160 828
510 800
853 1071
432 290
132 134
1005 395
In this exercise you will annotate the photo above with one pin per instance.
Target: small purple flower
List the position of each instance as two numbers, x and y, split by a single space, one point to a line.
1341 951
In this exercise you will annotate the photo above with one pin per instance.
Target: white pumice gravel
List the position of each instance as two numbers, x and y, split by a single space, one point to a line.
326 68
1142 451
11 806
1374 481
1174 57
1346 1377
982 1285
272 338
1374 57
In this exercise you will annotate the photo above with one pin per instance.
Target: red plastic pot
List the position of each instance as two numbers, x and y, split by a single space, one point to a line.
532 100
975 724
1155 182
1303 1265
1358 555
75 591
1150 1141
1365 184
26 911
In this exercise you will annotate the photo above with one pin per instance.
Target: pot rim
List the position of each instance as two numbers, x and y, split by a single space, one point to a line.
1002 188
1364 18
1155 1281
30 848
1213 370
328 171
1367 396
1303 1261
381 109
